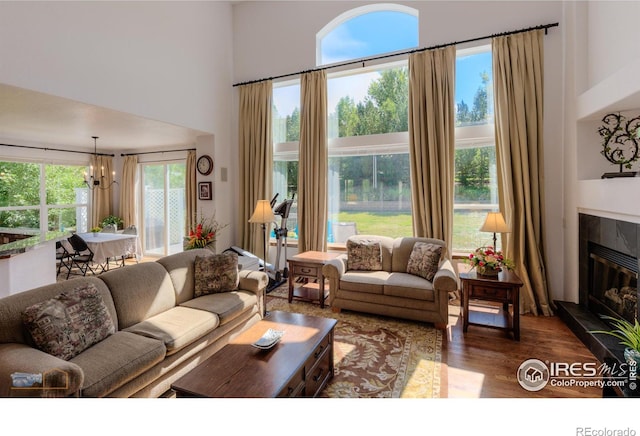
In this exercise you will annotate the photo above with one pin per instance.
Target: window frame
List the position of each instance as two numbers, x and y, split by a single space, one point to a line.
43 207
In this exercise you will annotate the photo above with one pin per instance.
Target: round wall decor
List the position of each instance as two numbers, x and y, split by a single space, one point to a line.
205 165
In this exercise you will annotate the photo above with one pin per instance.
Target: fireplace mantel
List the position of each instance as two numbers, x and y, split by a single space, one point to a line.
610 198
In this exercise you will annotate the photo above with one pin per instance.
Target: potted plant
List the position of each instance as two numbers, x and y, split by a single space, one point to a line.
112 219
95 230
628 335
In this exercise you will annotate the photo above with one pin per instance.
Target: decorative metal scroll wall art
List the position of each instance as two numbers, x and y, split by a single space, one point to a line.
620 143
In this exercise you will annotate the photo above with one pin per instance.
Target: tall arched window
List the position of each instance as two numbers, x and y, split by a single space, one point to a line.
369 183
367 31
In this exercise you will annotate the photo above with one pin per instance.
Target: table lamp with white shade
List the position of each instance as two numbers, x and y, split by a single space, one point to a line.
494 223
263 214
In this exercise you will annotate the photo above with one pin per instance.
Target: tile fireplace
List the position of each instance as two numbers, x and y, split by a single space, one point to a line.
608 282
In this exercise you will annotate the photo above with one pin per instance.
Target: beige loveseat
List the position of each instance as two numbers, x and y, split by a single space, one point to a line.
160 331
389 289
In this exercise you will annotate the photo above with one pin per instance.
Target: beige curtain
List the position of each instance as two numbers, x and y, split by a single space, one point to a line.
102 201
128 184
191 192
313 163
432 141
256 159
518 88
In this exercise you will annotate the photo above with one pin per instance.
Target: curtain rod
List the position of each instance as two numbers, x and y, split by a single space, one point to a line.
161 151
416 50
57 149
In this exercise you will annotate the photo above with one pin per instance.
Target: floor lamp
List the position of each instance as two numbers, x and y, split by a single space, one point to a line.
263 214
494 223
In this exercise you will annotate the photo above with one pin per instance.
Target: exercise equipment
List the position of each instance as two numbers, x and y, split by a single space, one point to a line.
277 277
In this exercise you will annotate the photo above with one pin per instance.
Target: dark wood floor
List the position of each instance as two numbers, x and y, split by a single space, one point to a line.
483 362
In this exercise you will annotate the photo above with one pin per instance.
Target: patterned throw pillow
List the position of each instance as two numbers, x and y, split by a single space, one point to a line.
424 260
364 255
216 273
69 323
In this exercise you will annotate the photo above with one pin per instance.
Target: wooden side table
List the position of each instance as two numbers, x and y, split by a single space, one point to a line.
306 280
503 289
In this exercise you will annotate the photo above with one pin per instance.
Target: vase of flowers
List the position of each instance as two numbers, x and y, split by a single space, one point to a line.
488 262
95 230
203 234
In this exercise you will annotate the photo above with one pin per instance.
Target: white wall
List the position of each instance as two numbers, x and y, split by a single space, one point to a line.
159 60
612 38
268 42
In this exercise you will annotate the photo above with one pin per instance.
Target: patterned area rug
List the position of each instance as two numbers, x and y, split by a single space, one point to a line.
376 357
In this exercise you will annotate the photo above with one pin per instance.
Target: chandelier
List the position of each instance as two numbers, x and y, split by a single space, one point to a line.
94 180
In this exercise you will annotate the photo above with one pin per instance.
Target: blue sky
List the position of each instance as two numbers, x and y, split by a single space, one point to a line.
375 33
370 34
468 69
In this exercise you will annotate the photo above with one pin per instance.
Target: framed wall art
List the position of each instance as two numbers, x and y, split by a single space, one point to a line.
204 191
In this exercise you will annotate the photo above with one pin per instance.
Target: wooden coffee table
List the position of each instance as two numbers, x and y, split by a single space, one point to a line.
300 365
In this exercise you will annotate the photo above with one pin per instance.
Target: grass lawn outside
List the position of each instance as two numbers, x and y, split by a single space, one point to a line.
466 224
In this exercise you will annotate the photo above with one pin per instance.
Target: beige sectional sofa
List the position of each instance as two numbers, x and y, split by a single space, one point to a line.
388 288
160 331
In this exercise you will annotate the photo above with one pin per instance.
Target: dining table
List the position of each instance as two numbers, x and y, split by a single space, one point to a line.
107 246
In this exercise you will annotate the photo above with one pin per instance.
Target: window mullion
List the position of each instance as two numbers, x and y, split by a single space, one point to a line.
44 211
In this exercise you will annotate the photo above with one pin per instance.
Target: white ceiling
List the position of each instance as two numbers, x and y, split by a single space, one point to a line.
28 117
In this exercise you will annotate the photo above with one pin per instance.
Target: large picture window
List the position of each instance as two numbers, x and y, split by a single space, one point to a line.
37 196
286 134
369 179
369 183
475 191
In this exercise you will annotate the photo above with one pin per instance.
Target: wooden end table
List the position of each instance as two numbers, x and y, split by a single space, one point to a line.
503 289
306 280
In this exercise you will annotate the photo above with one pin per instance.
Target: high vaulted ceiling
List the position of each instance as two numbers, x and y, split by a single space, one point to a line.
28 117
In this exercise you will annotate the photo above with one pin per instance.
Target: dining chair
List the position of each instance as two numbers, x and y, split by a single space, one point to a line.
109 228
63 257
131 230
82 256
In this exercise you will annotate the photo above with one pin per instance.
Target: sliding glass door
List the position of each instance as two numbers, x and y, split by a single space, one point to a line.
163 207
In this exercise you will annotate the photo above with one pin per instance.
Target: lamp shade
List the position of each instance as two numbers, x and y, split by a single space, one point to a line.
494 223
262 213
